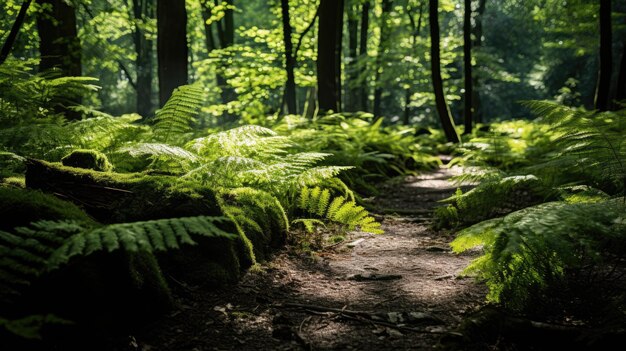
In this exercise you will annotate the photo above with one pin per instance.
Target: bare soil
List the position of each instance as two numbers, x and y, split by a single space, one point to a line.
406 279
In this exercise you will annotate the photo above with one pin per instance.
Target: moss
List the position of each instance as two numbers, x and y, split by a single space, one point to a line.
88 159
16 182
129 197
19 207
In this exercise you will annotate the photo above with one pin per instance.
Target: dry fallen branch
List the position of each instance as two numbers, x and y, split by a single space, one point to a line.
363 316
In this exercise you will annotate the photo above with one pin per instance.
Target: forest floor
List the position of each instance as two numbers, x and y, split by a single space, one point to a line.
406 276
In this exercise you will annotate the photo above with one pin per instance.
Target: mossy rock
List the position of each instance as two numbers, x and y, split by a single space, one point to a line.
16 182
19 207
130 197
119 198
88 159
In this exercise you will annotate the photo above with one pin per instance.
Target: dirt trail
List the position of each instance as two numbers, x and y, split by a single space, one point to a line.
408 269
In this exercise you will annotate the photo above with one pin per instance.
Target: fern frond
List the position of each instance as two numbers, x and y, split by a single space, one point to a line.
163 156
536 248
316 201
148 236
245 141
175 119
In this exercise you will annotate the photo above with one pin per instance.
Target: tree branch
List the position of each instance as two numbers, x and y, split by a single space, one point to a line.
8 44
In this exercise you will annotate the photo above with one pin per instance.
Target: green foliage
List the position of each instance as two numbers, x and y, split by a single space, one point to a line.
588 146
88 159
545 248
176 118
317 201
44 246
375 152
148 236
492 198
564 146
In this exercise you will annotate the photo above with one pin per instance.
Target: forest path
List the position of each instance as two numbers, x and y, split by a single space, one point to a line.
408 269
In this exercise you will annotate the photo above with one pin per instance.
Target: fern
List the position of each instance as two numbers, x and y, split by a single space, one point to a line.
46 245
148 236
245 141
493 197
590 146
316 201
162 156
547 247
175 119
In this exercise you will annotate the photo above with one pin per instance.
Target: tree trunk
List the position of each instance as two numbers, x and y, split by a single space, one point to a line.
226 33
477 112
172 50
59 45
378 89
329 24
606 60
19 21
442 106
143 10
290 86
365 20
407 110
352 97
415 32
338 50
467 65
620 92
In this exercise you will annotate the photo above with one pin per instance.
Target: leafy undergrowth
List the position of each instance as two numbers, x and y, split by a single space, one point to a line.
548 214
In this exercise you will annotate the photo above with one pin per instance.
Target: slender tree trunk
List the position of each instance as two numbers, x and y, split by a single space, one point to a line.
172 49
606 57
226 32
329 23
59 45
415 32
477 112
17 25
229 25
378 89
467 65
620 92
352 97
143 10
363 37
407 110
338 57
442 106
290 87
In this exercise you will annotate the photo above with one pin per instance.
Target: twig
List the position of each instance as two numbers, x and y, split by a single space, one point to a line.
308 28
302 323
360 316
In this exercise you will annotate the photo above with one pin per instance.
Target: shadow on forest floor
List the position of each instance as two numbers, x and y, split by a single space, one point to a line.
407 269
